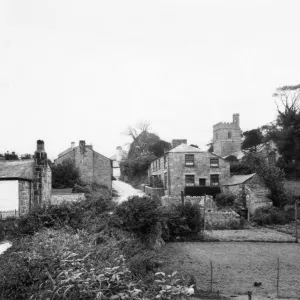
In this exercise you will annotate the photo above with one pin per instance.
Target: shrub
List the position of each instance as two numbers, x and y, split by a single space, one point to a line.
270 215
65 175
182 220
139 215
225 200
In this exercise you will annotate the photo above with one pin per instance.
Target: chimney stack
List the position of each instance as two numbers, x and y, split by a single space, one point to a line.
40 155
73 145
82 147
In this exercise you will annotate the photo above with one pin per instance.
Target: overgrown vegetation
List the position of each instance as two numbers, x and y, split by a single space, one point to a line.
64 175
78 251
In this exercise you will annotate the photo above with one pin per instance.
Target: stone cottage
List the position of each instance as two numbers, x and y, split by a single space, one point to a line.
93 166
25 184
249 189
188 166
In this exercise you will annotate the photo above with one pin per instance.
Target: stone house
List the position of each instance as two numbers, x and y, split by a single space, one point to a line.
249 189
93 167
25 184
188 166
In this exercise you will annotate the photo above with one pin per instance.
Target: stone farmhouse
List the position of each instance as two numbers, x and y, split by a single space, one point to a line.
93 166
25 184
188 166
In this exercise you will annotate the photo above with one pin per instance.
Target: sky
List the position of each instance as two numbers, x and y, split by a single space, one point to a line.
75 70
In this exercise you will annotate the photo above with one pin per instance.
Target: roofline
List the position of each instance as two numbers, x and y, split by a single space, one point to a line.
15 178
240 182
192 152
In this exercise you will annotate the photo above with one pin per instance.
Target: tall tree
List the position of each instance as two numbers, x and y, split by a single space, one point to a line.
252 139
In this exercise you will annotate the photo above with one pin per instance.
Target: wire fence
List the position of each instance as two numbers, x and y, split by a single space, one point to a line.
9 214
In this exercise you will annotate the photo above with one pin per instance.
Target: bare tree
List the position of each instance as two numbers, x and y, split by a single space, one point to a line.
130 131
143 125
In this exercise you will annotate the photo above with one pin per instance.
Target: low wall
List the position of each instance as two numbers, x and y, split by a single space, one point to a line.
209 204
222 220
154 191
58 199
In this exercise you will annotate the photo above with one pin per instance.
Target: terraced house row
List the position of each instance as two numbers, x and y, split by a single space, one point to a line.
185 166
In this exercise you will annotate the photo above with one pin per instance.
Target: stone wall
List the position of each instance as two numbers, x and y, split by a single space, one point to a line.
222 220
58 199
224 145
209 203
25 197
93 167
201 170
175 170
154 191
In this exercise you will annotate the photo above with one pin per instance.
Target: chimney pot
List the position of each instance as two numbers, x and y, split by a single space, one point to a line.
40 146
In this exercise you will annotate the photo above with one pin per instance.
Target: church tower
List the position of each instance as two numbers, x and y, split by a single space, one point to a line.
227 137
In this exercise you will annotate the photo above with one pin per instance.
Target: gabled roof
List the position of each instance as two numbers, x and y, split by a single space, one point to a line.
238 179
185 148
18 169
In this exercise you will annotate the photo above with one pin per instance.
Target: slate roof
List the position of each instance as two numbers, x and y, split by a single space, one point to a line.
185 148
238 179
19 169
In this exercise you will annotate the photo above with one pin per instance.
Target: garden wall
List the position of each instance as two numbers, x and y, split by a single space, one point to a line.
58 199
222 220
154 191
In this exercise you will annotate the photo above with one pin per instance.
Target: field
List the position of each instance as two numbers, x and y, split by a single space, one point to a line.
237 265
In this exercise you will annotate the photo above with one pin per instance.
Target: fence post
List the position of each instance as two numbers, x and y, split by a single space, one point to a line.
211 276
277 287
296 221
182 198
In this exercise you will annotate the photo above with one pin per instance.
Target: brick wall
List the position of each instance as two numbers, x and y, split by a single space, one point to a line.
25 196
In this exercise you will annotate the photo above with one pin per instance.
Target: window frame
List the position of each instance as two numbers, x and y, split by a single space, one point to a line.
189 163
214 176
202 180
189 183
212 165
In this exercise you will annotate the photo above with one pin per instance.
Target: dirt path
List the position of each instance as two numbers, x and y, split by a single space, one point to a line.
4 247
236 266
124 191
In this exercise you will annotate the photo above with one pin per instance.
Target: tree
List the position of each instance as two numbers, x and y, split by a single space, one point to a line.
11 156
65 175
195 146
252 139
287 130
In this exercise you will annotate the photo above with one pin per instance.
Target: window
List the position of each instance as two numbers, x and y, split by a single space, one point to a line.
202 181
156 165
165 161
159 163
214 179
165 181
189 180
229 134
214 163
189 160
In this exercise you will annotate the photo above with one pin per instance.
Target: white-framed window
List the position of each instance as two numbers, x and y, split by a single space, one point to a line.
214 180
189 160
214 163
189 180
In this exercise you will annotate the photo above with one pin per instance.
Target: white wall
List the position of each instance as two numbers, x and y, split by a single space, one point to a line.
9 195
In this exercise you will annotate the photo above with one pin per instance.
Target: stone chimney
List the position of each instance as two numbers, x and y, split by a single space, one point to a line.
177 142
41 176
82 147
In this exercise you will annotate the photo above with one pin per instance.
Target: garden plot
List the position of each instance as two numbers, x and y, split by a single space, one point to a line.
236 266
255 234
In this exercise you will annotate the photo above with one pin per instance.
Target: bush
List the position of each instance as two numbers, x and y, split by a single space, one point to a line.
271 215
139 215
182 220
225 200
65 175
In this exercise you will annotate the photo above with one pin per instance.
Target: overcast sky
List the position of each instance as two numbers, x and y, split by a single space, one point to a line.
83 70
